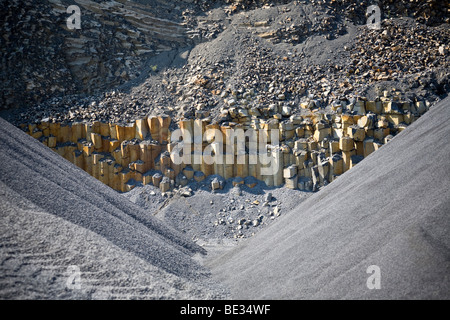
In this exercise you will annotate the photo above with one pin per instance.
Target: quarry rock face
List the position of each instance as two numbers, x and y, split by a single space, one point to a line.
111 46
220 118
300 152
205 59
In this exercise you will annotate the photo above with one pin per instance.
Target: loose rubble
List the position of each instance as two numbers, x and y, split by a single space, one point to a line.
223 215
241 69
108 97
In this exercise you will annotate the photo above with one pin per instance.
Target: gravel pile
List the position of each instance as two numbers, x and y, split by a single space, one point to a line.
218 59
390 211
52 195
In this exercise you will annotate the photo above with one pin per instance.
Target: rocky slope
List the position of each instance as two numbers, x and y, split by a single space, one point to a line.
189 59
42 58
390 211
297 67
54 216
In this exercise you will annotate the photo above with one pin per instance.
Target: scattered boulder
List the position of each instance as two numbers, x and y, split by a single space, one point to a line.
156 179
181 180
165 184
185 192
188 172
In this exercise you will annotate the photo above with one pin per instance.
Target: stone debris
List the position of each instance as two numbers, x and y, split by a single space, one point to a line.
330 107
112 47
431 12
185 192
407 59
111 96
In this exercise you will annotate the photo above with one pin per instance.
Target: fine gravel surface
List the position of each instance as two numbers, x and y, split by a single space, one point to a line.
54 215
391 211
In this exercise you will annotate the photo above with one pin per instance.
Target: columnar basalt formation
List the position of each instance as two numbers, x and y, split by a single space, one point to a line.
298 151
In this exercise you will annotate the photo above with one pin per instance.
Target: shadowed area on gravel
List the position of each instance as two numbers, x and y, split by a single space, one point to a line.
391 210
60 188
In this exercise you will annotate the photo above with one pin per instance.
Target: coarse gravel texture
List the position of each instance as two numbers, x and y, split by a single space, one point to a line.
259 56
229 214
54 215
391 210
